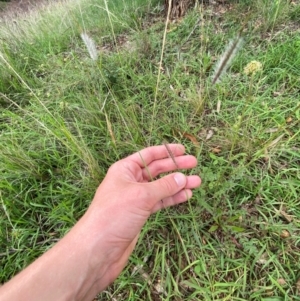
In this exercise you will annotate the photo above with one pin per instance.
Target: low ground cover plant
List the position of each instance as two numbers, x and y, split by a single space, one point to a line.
84 83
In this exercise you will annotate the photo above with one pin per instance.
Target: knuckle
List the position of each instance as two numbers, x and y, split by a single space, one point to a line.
115 166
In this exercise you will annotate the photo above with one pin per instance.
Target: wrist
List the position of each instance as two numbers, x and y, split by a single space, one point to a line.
104 253
91 257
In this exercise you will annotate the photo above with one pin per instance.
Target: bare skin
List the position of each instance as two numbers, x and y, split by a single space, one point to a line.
97 248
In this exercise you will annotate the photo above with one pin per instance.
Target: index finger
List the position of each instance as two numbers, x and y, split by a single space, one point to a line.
146 156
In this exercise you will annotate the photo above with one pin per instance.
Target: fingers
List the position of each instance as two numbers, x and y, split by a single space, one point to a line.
192 182
146 156
181 196
169 186
165 165
163 188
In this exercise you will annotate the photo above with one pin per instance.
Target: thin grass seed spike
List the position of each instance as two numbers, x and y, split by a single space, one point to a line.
226 59
171 154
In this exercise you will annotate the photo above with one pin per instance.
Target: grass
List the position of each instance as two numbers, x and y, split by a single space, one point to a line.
65 119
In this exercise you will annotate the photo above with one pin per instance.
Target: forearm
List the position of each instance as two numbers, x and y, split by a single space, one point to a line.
69 271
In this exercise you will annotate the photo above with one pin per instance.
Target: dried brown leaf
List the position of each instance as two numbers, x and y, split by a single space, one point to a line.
192 138
298 284
281 281
216 150
110 130
287 217
285 234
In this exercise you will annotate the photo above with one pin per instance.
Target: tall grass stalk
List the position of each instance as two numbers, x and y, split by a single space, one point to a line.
160 65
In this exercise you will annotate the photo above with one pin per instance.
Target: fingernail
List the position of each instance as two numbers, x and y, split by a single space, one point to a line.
180 179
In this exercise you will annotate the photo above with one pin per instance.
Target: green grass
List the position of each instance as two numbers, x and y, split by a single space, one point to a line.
65 119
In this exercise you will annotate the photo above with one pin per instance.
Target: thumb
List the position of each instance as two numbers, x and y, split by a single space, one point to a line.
167 186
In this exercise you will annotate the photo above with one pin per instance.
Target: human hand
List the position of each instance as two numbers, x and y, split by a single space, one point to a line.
97 248
127 197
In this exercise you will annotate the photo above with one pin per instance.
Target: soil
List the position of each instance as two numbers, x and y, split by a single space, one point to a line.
14 7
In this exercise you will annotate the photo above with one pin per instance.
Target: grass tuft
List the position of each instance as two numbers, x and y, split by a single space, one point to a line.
69 109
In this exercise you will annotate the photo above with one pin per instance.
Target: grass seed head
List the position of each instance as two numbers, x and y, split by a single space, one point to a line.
226 59
90 45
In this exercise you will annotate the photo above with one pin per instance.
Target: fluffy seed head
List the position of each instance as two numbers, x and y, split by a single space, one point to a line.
226 59
90 45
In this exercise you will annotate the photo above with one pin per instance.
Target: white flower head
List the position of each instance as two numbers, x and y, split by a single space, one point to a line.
253 67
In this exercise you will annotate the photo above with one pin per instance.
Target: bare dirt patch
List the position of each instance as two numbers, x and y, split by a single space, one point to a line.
15 7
